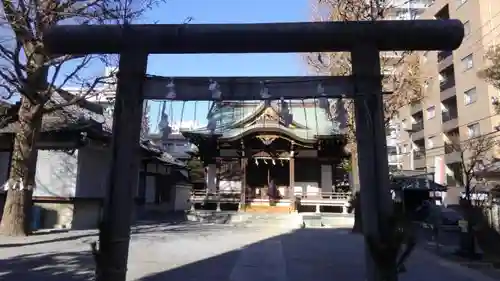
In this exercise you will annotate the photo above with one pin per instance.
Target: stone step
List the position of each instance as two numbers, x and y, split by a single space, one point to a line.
313 220
267 209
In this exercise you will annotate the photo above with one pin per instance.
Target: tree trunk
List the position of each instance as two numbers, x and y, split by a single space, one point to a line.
16 219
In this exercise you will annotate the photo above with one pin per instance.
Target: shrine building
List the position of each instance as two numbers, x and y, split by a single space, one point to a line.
274 151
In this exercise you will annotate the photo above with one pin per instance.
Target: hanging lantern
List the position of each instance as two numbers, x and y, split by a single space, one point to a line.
285 112
171 94
323 102
321 90
264 91
214 88
340 114
164 126
212 125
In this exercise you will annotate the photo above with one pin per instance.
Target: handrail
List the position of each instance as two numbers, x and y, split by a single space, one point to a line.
323 195
303 195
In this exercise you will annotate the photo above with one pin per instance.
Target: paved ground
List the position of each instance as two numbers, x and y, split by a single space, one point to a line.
188 252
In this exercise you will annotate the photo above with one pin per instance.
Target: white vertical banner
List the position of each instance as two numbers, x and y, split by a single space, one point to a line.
326 178
212 178
439 170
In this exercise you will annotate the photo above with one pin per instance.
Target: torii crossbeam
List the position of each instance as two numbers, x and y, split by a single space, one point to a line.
134 42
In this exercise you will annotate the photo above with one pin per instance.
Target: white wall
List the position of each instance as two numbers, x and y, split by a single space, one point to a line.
56 174
82 174
182 195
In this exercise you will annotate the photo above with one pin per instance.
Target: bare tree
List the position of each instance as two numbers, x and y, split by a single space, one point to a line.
491 73
475 154
402 70
40 80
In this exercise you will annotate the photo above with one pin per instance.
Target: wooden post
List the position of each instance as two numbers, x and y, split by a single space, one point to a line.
244 162
291 188
114 235
376 203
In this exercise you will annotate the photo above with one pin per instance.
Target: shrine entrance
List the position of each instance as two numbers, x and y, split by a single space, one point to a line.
363 39
265 172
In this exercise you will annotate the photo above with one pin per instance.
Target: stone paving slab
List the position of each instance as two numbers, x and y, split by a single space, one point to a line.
206 252
262 261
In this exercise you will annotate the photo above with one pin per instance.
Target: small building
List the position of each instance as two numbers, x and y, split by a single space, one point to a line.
174 144
73 167
413 187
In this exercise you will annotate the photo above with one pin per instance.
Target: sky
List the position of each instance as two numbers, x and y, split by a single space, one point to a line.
222 11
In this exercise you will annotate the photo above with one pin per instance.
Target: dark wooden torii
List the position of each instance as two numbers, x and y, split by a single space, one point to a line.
134 42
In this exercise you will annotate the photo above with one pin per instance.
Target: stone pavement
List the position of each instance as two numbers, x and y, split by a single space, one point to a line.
191 251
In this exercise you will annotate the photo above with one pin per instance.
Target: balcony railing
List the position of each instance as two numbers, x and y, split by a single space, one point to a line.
419 126
395 159
451 181
447 116
419 154
443 55
450 148
446 85
415 107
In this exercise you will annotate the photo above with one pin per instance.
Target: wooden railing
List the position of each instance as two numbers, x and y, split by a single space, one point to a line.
324 195
234 196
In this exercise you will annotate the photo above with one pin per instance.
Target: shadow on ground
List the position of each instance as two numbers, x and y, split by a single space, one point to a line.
54 266
308 254
49 267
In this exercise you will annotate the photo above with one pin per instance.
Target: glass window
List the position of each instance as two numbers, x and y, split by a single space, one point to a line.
431 112
467 28
473 130
470 96
430 142
460 3
468 62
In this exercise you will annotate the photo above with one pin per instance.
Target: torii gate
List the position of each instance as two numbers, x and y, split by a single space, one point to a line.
134 42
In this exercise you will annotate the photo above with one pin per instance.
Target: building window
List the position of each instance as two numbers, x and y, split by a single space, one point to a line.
467 28
468 62
470 96
431 112
473 130
460 3
430 142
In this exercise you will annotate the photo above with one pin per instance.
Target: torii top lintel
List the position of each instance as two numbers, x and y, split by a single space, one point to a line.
416 35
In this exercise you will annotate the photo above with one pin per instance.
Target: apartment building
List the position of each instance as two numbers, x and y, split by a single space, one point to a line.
457 104
400 10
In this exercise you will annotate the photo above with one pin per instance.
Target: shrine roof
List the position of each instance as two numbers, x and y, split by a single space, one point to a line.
236 119
85 117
